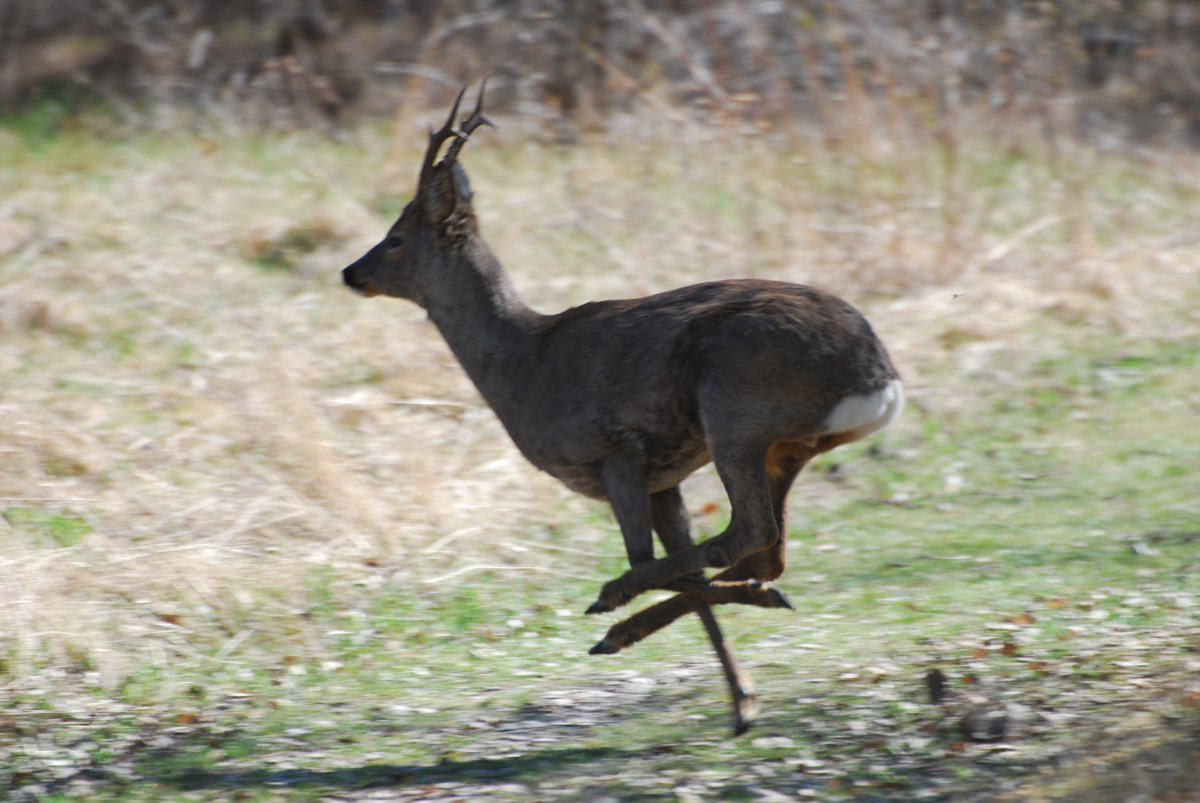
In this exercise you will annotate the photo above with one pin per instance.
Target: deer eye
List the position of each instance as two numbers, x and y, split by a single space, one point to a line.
393 242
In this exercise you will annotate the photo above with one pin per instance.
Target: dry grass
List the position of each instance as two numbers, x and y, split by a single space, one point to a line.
195 415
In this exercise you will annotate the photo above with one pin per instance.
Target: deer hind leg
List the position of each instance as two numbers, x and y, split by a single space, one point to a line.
752 528
784 462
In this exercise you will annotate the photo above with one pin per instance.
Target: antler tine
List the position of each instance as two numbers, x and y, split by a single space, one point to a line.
469 124
436 138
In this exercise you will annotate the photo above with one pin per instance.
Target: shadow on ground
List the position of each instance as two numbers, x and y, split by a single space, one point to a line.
482 771
1156 767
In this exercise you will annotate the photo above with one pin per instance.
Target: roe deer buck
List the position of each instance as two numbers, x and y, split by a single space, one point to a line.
621 400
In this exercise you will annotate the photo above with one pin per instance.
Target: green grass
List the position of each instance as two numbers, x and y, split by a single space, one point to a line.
55 530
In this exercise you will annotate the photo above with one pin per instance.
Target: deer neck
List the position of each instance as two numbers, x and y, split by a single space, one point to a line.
483 319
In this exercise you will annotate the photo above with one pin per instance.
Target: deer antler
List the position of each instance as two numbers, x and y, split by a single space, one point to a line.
468 125
436 138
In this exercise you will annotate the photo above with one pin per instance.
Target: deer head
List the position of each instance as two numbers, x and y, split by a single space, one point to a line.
433 226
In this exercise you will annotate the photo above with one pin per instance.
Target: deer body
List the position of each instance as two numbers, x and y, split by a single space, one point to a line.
621 400
573 389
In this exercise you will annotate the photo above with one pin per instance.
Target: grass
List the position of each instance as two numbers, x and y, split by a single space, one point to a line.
57 530
262 539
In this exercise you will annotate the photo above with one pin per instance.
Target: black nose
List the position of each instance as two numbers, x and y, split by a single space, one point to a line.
351 278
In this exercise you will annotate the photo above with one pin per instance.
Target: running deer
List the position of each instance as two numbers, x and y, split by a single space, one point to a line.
621 400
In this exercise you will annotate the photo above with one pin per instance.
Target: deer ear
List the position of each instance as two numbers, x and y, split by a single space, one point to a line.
438 196
446 191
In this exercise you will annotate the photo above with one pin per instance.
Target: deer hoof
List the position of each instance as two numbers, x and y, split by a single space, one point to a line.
780 599
612 596
604 647
745 710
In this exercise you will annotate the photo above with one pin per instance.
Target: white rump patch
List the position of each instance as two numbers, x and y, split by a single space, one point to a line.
868 413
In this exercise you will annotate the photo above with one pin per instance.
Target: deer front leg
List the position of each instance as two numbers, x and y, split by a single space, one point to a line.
636 512
670 521
752 528
625 487
745 704
674 529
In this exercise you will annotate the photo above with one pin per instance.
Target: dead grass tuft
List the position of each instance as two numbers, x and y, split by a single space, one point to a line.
20 311
287 250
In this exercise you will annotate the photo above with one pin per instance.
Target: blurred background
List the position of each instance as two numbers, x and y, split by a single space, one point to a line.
1111 71
217 463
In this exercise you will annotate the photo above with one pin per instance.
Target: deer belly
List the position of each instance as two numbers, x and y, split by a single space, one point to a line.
663 470
583 480
862 414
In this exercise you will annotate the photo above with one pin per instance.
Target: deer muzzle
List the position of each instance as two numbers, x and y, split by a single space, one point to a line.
352 277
